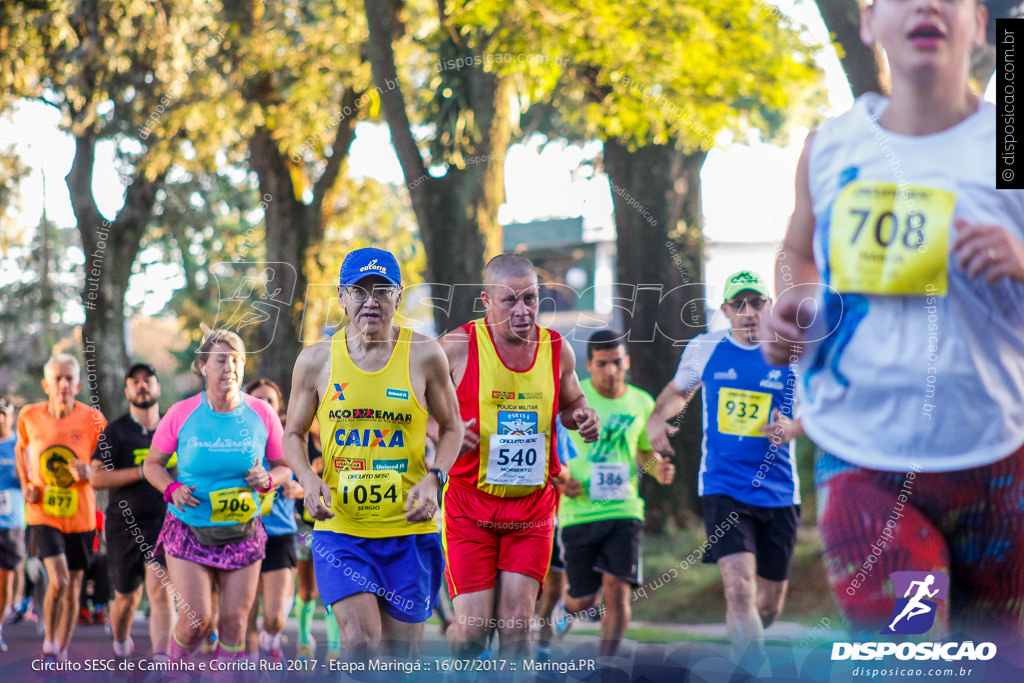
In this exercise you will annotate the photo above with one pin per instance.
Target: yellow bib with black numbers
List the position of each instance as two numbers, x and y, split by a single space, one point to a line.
141 453
233 505
890 241
267 503
742 413
60 502
371 495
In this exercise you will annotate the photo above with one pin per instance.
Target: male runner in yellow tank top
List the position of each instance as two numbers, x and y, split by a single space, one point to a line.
376 551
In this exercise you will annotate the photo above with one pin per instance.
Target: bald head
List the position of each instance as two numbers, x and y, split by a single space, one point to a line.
507 266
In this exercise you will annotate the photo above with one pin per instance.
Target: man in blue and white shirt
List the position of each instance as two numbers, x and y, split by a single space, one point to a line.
748 481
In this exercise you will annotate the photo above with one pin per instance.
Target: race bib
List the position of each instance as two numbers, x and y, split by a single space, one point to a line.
516 460
373 495
609 481
266 503
232 505
888 240
60 502
741 413
6 503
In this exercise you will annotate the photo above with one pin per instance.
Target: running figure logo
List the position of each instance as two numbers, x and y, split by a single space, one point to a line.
914 613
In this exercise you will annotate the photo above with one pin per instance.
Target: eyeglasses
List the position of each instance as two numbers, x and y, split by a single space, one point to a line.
381 295
756 304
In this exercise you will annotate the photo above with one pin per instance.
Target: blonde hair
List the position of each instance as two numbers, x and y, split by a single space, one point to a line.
212 338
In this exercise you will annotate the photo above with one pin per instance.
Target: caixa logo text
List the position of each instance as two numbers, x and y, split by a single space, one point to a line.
948 652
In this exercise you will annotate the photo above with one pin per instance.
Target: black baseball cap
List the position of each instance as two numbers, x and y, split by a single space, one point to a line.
139 366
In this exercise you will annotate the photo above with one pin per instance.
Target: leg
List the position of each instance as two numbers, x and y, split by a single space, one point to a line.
517 594
194 583
122 611
400 638
741 617
278 588
251 627
161 615
474 619
359 624
617 614
238 588
554 586
69 617
58 583
770 597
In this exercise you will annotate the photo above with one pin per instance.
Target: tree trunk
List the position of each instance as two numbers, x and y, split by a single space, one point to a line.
110 250
458 213
656 194
862 63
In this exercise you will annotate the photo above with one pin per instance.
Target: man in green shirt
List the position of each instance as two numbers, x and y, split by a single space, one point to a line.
601 514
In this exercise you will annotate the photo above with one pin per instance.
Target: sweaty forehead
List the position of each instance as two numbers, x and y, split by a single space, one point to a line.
512 285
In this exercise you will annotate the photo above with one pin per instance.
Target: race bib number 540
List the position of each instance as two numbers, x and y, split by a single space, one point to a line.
517 460
890 240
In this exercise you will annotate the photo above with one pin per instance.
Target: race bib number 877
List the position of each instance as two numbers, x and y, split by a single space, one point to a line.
890 241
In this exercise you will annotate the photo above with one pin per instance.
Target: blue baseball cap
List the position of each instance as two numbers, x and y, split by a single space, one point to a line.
370 261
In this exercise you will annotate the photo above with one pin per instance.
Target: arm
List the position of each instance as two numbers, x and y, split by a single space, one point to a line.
31 493
573 409
455 346
670 403
443 405
794 271
102 478
302 406
155 469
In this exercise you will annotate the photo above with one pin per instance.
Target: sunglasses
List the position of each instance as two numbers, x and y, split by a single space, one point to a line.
756 304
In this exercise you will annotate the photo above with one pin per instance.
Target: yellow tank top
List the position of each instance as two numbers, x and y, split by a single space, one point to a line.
373 431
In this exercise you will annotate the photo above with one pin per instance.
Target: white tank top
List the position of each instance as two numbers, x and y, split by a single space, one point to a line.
904 374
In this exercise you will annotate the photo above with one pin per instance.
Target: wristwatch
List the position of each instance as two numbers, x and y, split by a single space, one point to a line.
442 476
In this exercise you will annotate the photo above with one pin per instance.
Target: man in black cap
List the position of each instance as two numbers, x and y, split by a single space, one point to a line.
135 513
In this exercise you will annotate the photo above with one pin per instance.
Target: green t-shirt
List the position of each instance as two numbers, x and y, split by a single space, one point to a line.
607 467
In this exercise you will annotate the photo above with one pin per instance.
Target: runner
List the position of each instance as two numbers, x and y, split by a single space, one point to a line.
55 440
277 581
602 514
554 581
748 482
513 378
910 378
12 514
135 512
376 549
213 533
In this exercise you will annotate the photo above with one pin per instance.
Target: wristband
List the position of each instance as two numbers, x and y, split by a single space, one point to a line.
270 486
171 488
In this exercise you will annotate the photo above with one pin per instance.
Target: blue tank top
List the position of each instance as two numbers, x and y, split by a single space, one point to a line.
12 504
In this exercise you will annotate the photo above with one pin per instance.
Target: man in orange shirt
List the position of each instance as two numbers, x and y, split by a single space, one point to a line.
55 440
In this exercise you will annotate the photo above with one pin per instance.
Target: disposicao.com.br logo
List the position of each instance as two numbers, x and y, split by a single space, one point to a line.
914 613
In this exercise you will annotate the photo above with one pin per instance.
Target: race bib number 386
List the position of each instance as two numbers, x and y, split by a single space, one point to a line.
890 240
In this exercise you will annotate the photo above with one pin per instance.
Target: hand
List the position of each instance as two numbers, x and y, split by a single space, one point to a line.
258 477
781 430
988 251
79 470
470 437
183 498
664 471
421 504
587 423
31 494
782 338
658 433
317 497
293 489
571 488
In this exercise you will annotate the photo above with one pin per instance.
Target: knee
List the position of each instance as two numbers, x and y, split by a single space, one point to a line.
739 592
196 628
60 581
515 617
466 639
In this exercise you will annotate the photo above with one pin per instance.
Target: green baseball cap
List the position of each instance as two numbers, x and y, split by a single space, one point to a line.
745 279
